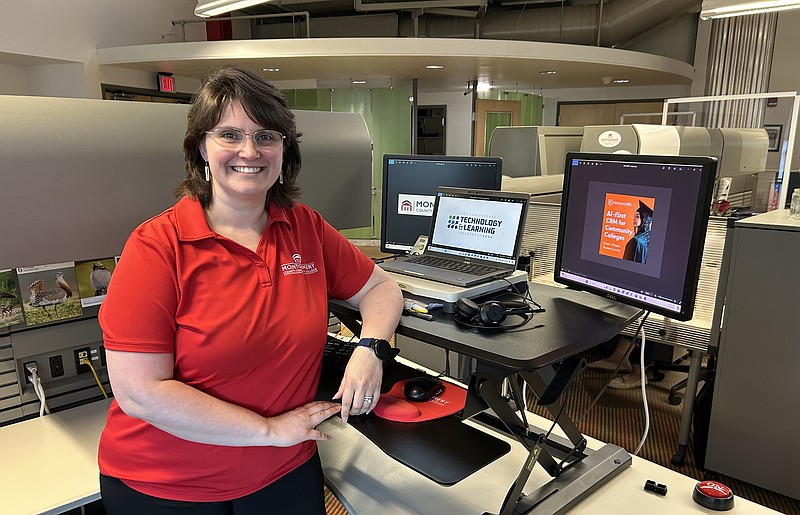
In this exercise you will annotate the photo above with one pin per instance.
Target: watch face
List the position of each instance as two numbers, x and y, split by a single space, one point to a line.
382 348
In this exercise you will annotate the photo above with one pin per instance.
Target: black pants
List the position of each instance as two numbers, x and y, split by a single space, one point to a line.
300 491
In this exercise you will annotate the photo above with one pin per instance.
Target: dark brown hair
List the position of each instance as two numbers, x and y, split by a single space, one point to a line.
264 104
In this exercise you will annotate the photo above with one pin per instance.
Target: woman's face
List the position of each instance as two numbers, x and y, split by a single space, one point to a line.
637 219
245 173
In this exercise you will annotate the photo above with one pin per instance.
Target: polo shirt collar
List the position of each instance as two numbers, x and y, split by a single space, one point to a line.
192 224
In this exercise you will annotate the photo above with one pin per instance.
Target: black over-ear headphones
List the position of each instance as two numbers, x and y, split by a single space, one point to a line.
491 314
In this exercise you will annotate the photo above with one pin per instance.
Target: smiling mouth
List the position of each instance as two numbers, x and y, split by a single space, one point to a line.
247 169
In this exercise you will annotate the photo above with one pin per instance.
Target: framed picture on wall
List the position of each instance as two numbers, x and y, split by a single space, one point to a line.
774 134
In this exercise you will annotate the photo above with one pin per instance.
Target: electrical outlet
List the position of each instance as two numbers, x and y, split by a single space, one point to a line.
81 354
25 370
56 366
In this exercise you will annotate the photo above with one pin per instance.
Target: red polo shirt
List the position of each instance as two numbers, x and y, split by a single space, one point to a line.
245 327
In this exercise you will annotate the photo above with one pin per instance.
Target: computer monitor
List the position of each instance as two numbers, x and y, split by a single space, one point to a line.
410 183
632 228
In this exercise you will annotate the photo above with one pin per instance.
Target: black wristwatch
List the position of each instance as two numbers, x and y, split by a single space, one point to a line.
382 348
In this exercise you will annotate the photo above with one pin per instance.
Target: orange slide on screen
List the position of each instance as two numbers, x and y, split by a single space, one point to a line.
618 222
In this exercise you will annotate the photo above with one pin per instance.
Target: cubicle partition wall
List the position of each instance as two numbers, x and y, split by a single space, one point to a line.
77 176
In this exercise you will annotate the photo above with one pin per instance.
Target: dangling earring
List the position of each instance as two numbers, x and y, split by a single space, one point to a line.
208 173
280 178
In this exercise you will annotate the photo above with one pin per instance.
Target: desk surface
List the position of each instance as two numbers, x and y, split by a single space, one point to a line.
368 481
574 321
50 463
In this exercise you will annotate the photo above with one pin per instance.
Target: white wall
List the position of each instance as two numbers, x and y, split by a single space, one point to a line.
73 31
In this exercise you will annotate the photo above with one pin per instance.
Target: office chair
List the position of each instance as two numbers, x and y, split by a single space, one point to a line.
658 368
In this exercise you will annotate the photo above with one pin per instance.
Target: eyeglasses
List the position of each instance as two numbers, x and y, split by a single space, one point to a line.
234 138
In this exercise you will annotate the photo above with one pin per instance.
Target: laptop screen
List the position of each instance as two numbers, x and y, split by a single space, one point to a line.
478 224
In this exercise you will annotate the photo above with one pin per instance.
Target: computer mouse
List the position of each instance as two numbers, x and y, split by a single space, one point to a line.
421 389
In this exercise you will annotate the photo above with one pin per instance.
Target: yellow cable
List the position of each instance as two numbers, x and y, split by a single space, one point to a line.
86 361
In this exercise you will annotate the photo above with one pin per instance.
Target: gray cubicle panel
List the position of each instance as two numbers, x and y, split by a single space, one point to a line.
79 174
532 150
336 177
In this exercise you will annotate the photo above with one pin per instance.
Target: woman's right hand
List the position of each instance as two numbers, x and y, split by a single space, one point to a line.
299 425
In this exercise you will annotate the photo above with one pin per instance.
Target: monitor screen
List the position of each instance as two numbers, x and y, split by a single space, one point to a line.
410 184
632 228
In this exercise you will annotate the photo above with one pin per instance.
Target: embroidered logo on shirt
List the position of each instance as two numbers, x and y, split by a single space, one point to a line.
298 267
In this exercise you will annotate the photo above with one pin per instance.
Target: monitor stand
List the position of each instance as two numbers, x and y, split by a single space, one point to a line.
448 294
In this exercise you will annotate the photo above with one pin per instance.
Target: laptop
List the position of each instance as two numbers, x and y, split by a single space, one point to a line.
475 237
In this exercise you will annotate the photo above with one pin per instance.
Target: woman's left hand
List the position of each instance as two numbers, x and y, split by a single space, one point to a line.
361 384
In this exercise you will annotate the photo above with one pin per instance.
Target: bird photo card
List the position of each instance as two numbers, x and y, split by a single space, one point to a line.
10 307
49 292
93 278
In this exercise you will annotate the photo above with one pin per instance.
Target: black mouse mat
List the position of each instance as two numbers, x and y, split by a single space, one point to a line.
445 450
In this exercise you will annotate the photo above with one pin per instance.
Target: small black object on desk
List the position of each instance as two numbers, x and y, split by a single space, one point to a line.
656 488
420 389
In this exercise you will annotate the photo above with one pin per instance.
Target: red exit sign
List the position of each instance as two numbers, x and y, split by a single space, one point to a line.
166 83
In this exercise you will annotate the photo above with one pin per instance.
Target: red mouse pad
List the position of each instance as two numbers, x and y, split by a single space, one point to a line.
394 406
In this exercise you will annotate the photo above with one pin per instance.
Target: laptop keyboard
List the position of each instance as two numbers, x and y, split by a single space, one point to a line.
456 266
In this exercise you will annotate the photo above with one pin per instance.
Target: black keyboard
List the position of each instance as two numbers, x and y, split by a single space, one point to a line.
457 266
337 352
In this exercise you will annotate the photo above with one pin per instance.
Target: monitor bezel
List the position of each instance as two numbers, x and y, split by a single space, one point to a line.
702 204
497 161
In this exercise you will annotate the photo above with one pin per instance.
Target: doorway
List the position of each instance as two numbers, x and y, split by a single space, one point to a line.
490 114
431 130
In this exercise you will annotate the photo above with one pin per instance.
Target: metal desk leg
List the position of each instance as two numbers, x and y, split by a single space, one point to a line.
679 458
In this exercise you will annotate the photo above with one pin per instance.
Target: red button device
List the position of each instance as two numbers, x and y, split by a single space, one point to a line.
713 495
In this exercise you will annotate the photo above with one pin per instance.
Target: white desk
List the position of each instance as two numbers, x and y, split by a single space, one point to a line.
49 464
367 481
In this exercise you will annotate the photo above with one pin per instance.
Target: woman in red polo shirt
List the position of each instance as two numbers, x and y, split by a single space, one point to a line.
215 321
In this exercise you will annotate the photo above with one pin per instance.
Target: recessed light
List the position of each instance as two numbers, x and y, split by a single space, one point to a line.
435 67
548 72
621 81
270 69
359 82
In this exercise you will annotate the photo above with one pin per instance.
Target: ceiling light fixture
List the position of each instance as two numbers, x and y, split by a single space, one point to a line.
548 72
728 8
359 82
435 67
208 8
270 69
621 81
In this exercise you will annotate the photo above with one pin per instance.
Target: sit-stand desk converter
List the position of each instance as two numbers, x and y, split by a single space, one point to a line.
573 322
447 294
